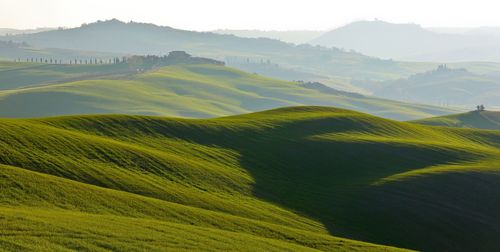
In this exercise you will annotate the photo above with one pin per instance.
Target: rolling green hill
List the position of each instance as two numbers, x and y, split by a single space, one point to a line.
287 179
32 90
474 119
20 74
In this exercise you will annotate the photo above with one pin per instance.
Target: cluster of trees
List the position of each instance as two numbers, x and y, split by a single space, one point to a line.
246 60
442 70
40 60
174 57
98 61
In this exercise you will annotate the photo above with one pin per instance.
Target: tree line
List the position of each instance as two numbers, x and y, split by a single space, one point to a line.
135 61
91 61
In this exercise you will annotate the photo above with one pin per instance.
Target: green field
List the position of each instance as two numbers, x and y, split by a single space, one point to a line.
195 91
16 75
295 178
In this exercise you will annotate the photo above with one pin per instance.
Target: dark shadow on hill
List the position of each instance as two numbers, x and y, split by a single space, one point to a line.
455 211
330 180
326 180
47 104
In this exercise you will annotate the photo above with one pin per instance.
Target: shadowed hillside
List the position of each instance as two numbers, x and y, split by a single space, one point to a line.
276 179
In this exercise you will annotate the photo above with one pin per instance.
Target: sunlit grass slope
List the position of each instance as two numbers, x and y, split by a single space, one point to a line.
474 119
287 179
194 91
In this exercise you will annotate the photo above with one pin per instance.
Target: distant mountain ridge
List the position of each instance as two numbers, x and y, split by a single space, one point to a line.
281 60
408 41
9 31
134 38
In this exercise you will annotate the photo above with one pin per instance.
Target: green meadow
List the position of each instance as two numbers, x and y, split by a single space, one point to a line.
297 178
193 91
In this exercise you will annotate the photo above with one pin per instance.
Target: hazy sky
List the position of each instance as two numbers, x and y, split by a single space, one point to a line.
252 14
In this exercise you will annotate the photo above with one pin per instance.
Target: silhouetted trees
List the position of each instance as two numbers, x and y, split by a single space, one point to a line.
141 62
93 61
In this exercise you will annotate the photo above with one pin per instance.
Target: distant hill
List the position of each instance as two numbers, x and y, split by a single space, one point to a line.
328 90
296 37
133 38
187 90
293 179
9 31
407 42
264 56
486 53
28 74
443 86
22 51
480 52
475 119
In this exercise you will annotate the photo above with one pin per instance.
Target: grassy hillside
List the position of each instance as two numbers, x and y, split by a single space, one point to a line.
474 119
20 74
178 90
287 179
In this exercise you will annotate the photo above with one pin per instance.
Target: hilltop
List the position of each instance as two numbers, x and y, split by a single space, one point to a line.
178 89
474 119
293 178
